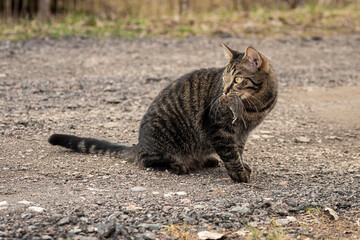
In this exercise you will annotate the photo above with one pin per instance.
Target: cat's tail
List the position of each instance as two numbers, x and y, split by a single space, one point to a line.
91 145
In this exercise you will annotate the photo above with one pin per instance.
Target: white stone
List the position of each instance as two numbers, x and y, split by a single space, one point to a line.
132 207
266 136
24 202
209 235
138 189
268 199
181 193
111 125
168 194
36 209
3 203
282 222
331 213
199 206
254 136
185 201
290 218
302 139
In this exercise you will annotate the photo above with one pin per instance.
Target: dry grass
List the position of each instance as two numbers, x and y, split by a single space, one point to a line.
311 19
318 223
270 231
181 232
314 224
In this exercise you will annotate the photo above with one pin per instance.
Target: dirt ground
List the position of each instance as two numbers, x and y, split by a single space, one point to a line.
305 156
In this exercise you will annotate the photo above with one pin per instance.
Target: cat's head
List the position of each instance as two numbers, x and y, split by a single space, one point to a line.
249 77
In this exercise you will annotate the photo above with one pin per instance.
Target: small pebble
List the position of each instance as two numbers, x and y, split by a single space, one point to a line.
199 206
282 183
170 194
24 202
181 193
302 139
36 209
240 209
63 221
291 218
282 222
138 189
209 235
185 201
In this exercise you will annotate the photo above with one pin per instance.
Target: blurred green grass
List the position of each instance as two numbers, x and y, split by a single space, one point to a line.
308 19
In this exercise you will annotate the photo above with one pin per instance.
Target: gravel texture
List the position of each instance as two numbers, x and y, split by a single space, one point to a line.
306 154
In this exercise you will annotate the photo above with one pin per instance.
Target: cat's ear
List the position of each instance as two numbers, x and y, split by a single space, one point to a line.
253 57
255 60
230 53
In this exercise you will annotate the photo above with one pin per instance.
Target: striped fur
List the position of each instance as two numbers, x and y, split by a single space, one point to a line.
199 118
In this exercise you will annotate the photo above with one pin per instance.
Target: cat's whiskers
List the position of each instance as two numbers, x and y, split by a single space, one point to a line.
212 104
212 101
256 99
242 106
238 100
253 104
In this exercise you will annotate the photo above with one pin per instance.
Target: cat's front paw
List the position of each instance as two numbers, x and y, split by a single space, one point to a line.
241 175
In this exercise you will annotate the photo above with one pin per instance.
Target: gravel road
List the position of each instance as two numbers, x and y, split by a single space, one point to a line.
305 156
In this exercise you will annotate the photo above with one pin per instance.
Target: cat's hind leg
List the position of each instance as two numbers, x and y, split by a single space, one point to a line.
179 168
211 162
163 162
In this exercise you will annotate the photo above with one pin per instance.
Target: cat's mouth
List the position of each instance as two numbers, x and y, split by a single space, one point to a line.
226 100
234 104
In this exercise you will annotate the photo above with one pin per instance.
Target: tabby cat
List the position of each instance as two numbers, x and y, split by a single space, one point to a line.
200 117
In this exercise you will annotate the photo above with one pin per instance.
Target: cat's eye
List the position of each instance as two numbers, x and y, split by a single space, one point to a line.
239 79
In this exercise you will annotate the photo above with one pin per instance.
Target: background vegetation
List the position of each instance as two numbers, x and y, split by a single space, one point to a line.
21 19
